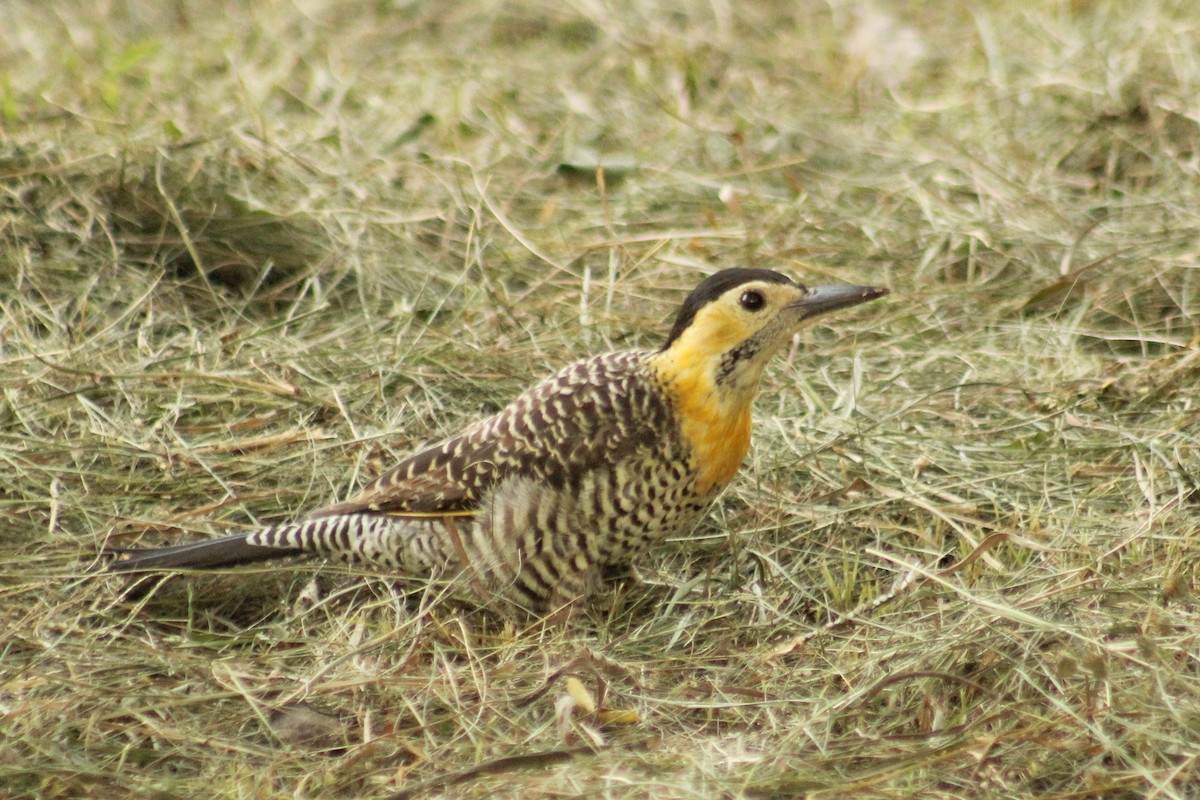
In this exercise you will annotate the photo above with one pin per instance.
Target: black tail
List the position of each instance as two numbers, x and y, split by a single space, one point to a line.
210 554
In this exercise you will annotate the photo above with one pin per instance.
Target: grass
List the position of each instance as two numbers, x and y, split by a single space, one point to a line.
251 253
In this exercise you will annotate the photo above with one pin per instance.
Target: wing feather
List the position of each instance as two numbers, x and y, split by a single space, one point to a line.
592 413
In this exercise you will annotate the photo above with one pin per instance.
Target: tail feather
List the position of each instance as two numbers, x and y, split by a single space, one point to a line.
209 554
375 539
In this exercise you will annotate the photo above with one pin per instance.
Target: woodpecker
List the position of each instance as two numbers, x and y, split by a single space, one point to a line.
583 471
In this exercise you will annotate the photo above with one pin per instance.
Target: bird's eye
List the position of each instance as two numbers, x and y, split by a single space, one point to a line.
752 300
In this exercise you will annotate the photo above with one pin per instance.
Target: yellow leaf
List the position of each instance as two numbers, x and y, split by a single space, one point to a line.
582 697
618 716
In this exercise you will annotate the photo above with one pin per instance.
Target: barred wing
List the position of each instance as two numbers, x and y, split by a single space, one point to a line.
594 413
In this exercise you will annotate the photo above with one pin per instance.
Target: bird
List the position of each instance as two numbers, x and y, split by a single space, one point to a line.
577 476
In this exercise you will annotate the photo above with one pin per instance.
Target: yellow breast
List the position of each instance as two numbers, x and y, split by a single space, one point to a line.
719 444
714 421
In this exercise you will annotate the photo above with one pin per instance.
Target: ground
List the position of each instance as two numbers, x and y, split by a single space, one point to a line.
250 253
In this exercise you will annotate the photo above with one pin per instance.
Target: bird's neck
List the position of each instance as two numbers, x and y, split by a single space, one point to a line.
714 415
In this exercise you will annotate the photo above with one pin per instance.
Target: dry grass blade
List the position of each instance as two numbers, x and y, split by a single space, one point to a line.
494 767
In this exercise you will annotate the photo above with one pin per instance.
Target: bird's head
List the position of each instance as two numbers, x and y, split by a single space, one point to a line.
735 320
